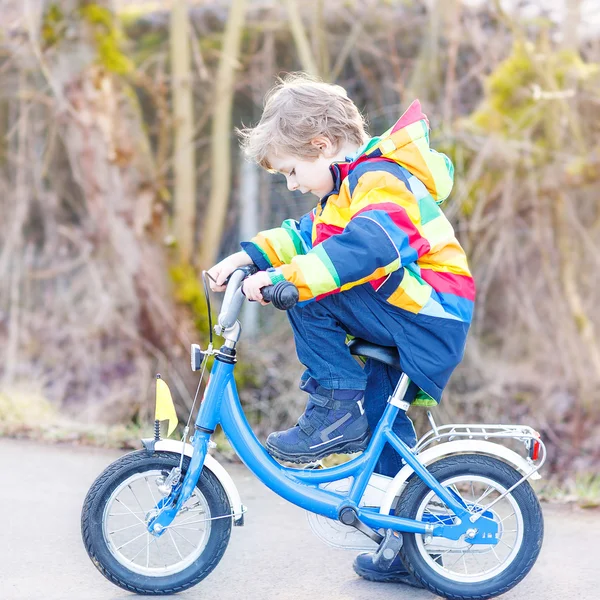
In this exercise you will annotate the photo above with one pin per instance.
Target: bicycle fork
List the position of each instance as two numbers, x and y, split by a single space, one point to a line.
206 421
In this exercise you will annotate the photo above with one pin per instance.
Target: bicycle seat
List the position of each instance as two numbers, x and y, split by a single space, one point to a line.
385 354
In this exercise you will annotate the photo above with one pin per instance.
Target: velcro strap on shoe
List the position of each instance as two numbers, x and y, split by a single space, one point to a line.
320 400
306 426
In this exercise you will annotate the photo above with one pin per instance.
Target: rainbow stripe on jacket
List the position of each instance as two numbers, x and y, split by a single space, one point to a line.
381 224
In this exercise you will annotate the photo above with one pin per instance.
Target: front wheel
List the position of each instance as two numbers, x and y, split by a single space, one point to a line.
458 569
115 514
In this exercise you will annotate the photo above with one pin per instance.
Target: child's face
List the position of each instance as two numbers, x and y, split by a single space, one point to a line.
305 175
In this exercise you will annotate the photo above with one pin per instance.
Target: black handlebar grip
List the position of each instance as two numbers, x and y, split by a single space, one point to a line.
283 295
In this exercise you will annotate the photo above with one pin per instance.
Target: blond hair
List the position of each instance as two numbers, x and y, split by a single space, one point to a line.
299 109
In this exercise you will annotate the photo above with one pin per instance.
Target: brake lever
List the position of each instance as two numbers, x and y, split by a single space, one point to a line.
246 269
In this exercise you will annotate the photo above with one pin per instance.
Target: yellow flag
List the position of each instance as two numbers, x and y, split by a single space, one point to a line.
165 410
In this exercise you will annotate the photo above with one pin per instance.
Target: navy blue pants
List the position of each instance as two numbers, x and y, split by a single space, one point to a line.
320 330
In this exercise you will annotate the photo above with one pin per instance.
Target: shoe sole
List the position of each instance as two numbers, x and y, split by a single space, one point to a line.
379 577
343 447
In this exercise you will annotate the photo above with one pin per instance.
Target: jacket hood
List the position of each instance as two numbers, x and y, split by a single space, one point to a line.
407 143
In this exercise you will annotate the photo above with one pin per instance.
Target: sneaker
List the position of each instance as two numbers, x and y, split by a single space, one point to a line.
395 573
335 425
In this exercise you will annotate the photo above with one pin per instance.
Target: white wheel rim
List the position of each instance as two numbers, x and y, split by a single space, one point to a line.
124 526
472 563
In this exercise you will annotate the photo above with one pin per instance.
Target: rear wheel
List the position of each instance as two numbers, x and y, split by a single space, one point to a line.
118 507
459 569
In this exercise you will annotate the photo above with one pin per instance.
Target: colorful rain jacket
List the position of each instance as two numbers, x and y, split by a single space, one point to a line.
381 224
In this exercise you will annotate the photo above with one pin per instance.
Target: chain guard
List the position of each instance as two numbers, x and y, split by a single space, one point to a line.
336 534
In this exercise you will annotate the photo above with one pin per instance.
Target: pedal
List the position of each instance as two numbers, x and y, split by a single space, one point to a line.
388 550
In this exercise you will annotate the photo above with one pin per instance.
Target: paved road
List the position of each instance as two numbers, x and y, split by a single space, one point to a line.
274 556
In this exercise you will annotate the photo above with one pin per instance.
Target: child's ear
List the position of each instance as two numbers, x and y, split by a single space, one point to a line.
323 145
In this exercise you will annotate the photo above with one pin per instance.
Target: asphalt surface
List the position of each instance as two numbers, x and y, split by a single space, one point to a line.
274 556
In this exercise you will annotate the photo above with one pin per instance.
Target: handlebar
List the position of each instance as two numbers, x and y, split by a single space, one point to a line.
283 295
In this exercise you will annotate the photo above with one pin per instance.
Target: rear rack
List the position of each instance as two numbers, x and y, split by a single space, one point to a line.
523 433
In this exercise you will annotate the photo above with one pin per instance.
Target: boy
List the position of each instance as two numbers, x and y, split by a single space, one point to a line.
376 259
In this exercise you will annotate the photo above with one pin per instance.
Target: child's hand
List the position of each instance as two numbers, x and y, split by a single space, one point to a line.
253 285
222 270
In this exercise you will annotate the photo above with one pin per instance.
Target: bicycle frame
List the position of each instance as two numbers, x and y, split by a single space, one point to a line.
221 404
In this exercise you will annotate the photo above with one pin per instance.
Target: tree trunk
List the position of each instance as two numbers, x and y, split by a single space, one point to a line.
214 220
11 262
305 54
571 23
184 193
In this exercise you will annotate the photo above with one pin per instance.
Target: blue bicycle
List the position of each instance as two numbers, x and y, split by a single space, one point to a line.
460 513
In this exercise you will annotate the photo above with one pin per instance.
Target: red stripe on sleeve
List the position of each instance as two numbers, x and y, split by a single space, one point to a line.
320 296
400 218
377 282
450 283
325 231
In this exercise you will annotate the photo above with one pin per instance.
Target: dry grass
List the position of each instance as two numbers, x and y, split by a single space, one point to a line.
27 413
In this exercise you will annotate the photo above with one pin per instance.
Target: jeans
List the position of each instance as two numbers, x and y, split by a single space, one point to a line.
320 330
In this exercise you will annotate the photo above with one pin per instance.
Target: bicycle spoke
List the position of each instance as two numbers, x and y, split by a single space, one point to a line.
128 527
133 512
160 552
445 552
450 513
183 536
488 491
453 487
456 494
136 498
132 540
191 520
511 514
174 544
501 541
435 516
127 507
140 551
476 558
189 523
457 560
151 493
